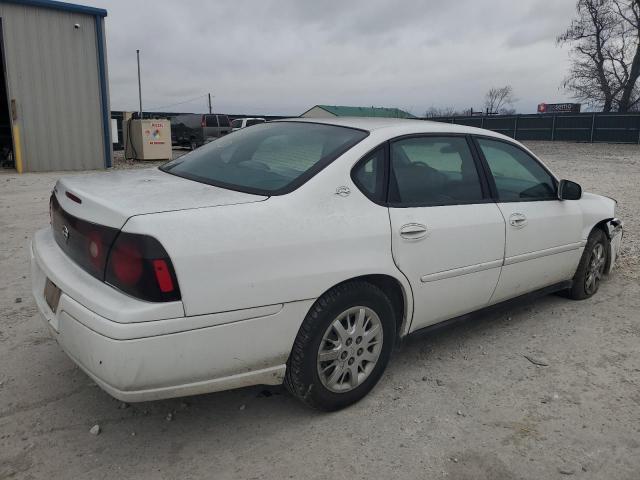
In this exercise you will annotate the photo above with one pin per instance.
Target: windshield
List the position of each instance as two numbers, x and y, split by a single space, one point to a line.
271 158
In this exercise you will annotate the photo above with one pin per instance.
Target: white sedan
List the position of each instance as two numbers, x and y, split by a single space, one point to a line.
302 251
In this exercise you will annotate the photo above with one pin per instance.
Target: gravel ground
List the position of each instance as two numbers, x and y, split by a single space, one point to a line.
461 403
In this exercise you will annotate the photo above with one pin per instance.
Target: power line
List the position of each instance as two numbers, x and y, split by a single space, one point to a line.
177 103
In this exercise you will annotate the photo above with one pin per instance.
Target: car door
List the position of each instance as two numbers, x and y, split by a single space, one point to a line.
543 234
447 233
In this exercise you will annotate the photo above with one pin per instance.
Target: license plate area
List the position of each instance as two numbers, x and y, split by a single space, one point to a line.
52 295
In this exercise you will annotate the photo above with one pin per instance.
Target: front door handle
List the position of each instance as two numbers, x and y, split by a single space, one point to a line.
517 220
413 231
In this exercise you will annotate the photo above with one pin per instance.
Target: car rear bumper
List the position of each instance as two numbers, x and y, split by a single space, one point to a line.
149 360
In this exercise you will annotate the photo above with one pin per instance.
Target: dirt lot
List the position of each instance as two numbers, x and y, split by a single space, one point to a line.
461 403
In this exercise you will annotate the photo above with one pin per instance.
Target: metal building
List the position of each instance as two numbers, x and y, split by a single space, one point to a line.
324 111
54 93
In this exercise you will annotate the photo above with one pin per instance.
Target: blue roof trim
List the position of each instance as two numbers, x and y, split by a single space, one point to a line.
106 120
64 6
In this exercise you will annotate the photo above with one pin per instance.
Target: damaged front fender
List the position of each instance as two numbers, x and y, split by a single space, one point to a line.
614 231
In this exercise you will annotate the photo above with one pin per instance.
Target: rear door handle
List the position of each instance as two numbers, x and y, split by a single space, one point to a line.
517 220
413 231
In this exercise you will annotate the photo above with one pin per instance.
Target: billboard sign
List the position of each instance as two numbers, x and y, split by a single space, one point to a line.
559 108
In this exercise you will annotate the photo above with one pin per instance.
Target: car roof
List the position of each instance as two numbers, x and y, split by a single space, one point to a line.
399 126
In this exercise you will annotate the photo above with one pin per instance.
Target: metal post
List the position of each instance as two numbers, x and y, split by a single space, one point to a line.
593 125
553 128
209 103
515 128
139 83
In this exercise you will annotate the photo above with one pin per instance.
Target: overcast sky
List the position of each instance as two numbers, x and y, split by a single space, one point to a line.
282 57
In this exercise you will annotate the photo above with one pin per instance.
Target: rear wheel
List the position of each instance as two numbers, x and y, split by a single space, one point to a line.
343 346
591 268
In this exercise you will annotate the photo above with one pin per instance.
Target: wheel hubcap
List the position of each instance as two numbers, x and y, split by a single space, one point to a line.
349 349
595 270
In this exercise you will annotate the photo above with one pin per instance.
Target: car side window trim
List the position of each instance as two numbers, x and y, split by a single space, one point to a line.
484 177
483 166
489 175
381 182
484 185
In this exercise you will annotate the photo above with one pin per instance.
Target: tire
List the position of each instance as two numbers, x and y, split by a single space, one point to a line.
329 385
588 276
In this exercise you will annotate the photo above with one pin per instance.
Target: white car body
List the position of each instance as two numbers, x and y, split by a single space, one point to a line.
240 123
251 266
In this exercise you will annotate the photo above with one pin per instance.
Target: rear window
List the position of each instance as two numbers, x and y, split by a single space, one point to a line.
270 159
210 121
223 120
236 124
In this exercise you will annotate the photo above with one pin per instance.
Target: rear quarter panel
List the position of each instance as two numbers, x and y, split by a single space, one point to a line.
286 248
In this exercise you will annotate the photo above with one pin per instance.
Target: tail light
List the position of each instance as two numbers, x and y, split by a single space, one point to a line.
86 243
139 266
135 264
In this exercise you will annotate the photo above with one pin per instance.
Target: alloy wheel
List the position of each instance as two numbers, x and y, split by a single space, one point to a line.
350 349
595 269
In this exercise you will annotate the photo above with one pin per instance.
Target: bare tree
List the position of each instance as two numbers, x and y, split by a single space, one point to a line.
499 99
605 54
441 112
628 54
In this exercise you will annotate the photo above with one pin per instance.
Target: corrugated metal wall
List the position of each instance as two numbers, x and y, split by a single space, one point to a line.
52 73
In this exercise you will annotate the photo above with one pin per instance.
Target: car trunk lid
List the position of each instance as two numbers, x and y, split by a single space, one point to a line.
111 198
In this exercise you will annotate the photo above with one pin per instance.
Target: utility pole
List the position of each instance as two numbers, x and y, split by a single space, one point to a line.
139 83
210 103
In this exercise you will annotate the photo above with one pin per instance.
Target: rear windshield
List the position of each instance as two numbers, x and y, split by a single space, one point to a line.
269 159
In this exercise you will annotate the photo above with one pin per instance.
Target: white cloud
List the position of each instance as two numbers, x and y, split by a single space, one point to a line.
281 57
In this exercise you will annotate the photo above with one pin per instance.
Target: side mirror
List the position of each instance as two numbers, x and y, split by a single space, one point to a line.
568 190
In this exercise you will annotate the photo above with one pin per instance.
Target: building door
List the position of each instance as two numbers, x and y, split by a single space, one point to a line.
7 157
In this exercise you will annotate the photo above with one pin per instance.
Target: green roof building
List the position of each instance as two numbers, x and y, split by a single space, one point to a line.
324 111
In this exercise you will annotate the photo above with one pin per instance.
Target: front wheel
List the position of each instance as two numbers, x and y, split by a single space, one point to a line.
591 268
343 346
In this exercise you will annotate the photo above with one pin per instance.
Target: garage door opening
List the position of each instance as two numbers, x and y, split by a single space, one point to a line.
6 137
